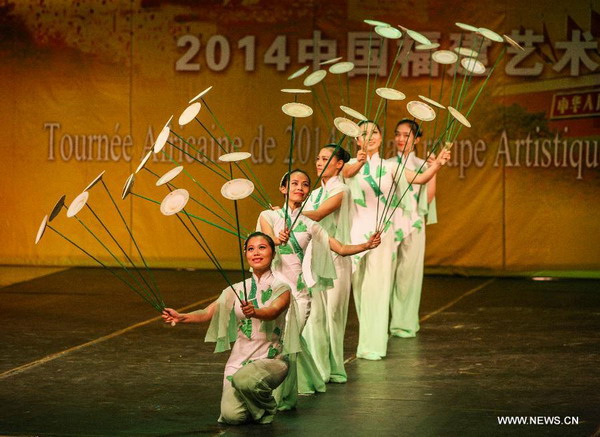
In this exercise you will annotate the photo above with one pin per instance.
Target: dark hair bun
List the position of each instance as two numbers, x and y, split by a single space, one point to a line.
341 153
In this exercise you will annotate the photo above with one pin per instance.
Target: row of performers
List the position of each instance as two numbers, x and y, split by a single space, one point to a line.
289 332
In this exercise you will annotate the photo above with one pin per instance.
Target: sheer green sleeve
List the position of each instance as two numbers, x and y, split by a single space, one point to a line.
427 209
402 194
431 212
341 229
357 195
223 325
321 263
291 332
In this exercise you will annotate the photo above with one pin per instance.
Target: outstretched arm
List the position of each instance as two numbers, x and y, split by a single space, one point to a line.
352 249
427 175
350 170
169 315
271 312
431 185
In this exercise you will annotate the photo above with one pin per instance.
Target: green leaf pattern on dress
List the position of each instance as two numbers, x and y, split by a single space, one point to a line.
361 201
285 249
317 200
266 295
300 285
399 235
369 180
246 327
300 227
273 352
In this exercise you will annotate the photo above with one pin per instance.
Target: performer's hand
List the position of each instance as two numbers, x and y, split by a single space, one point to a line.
374 240
431 158
361 156
284 236
171 316
443 157
248 310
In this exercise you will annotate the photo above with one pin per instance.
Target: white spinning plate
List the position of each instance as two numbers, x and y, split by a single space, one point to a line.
472 65
41 229
513 43
390 94
431 102
91 184
388 32
315 77
424 47
161 140
77 204
376 23
169 176
341 68
144 161
418 37
353 113
298 73
175 201
331 61
347 127
298 110
237 189
490 34
295 91
420 111
459 117
202 94
234 156
444 57
57 207
189 113
467 27
128 186
463 51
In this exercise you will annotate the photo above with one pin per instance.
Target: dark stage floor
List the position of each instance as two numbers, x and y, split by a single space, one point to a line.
76 360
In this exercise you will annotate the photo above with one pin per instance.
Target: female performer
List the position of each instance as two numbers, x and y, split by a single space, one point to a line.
408 279
256 365
330 206
371 181
316 272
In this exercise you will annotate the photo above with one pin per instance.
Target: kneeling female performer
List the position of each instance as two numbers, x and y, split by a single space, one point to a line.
256 365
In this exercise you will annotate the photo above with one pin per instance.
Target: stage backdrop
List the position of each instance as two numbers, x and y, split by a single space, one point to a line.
87 87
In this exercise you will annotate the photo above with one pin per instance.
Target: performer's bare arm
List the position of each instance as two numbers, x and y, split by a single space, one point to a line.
427 175
266 227
353 249
350 170
169 315
330 205
431 185
268 313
